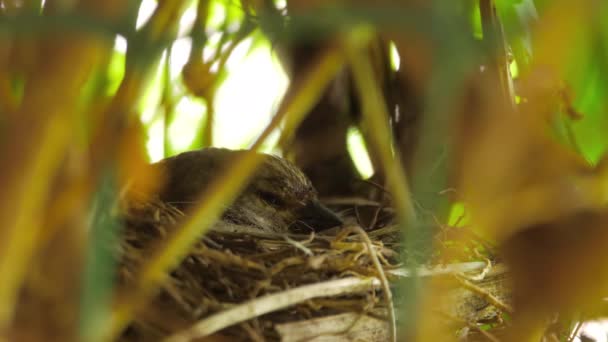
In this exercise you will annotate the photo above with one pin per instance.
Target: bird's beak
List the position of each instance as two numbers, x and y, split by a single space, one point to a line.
317 216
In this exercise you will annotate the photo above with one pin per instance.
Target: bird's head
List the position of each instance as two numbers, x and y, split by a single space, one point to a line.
278 197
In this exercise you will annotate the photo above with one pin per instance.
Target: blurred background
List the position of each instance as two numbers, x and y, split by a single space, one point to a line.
478 120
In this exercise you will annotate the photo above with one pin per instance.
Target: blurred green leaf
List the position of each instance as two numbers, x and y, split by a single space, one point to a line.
99 272
33 23
517 18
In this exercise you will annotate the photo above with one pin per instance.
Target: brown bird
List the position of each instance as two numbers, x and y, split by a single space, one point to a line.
279 197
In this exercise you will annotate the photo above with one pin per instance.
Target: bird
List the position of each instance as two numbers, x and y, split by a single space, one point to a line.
278 198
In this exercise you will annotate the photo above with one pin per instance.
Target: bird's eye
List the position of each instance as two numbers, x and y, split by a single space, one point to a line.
271 198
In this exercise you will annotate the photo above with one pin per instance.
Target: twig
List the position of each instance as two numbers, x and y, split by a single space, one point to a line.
254 335
375 218
273 302
490 298
377 186
484 272
224 258
441 270
299 245
359 201
279 301
284 263
388 296
574 333
483 332
384 231
472 326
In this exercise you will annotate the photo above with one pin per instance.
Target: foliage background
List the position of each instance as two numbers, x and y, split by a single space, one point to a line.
512 92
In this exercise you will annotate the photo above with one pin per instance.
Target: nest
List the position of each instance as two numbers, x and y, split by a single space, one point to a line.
246 284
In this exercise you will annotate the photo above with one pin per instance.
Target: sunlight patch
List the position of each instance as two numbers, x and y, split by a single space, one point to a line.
358 153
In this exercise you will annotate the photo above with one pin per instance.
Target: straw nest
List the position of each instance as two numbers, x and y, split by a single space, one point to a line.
241 284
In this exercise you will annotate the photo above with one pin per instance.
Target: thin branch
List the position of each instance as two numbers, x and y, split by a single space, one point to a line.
274 302
485 295
388 296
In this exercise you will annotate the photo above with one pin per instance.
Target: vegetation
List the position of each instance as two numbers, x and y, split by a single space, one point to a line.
483 120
